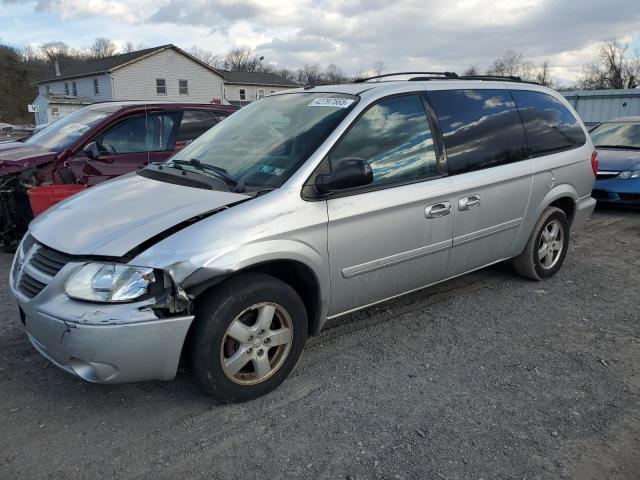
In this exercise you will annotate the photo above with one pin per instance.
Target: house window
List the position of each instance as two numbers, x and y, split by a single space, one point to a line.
183 87
48 89
260 94
66 88
75 89
243 94
96 88
161 86
54 112
272 92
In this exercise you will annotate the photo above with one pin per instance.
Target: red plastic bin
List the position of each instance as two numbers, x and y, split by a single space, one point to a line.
46 196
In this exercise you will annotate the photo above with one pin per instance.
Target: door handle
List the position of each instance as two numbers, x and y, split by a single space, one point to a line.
469 202
437 210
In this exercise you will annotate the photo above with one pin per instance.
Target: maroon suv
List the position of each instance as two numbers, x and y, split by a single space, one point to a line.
94 144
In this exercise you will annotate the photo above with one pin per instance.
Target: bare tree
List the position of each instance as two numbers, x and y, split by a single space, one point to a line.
543 75
242 60
102 47
509 64
210 58
471 70
334 74
309 74
286 74
359 75
378 67
128 47
54 50
613 67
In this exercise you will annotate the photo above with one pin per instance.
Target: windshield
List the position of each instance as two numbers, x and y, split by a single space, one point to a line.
265 142
617 134
63 132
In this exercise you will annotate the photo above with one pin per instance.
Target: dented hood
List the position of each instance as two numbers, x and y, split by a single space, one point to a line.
16 156
116 216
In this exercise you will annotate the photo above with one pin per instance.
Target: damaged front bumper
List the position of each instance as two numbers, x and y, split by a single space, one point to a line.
103 343
121 353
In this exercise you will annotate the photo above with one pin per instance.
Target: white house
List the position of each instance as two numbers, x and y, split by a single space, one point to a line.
241 88
164 73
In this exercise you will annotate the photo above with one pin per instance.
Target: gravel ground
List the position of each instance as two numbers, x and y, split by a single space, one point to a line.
486 376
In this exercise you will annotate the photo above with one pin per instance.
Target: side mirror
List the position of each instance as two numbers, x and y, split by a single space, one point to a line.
350 173
92 151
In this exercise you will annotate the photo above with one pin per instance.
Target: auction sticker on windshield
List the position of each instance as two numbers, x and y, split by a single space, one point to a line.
331 102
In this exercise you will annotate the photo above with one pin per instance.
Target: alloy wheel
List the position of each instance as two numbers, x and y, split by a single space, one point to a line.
551 244
256 343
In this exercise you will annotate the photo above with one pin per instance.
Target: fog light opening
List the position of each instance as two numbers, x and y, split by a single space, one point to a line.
83 369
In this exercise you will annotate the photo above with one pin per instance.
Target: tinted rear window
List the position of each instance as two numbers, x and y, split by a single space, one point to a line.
549 125
481 128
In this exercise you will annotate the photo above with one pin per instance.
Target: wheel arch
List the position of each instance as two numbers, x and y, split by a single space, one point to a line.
562 196
294 263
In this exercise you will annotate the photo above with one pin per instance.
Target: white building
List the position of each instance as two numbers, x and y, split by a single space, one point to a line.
241 88
164 73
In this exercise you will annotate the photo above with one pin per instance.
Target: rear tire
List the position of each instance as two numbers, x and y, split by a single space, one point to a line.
547 247
248 335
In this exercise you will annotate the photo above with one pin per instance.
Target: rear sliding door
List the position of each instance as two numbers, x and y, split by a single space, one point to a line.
488 163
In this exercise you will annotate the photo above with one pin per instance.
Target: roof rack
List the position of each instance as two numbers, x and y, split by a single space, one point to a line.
504 78
431 75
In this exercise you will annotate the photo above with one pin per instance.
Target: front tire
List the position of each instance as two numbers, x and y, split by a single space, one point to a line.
248 335
547 247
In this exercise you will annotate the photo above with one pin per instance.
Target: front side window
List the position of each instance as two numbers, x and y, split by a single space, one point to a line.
183 86
66 88
243 94
161 86
481 128
96 88
549 125
617 135
152 133
394 138
265 142
194 123
75 89
260 94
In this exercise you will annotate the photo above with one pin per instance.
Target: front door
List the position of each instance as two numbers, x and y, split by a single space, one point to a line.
127 146
394 235
488 163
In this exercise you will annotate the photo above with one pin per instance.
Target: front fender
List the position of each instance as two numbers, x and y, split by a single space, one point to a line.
207 268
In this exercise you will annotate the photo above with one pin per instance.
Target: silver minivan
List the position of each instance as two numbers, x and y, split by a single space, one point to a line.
301 207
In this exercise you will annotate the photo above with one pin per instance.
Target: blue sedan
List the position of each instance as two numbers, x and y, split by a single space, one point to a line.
618 145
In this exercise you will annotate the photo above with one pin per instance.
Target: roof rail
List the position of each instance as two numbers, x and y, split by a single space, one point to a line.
506 78
433 74
503 78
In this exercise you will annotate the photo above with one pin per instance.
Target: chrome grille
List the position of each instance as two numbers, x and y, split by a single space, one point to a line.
48 261
37 267
30 286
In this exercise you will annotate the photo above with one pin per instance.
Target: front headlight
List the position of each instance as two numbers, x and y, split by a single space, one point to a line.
109 282
629 174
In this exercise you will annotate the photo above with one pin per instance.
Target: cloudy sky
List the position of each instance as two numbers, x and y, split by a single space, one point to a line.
404 34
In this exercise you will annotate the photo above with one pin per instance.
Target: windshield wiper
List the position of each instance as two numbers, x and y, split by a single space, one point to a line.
218 171
626 147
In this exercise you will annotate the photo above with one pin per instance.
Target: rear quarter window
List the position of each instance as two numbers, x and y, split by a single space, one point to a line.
481 128
549 125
